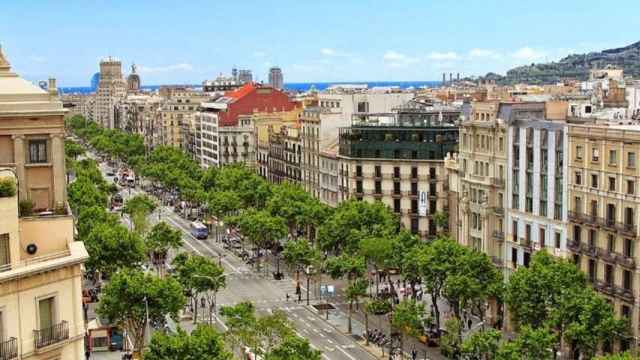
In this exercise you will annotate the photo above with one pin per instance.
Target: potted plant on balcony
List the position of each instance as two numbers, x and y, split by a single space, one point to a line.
25 207
7 187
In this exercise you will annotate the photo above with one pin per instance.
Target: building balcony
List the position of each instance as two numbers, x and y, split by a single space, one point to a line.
498 235
499 210
606 255
51 335
497 261
626 261
497 182
9 349
573 246
624 294
604 287
626 229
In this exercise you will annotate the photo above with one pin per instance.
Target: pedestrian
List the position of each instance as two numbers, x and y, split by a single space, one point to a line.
414 354
469 323
87 354
287 297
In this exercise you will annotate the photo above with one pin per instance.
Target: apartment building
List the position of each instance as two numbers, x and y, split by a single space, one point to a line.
398 158
482 160
285 154
264 125
536 214
603 189
329 176
111 88
40 263
176 116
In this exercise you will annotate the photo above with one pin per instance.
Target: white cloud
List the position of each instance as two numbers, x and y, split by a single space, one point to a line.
329 52
529 54
483 53
37 59
165 69
396 59
259 54
440 56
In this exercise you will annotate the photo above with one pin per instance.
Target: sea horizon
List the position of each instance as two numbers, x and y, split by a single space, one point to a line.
293 86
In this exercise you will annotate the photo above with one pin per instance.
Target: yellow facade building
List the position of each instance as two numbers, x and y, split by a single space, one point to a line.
40 263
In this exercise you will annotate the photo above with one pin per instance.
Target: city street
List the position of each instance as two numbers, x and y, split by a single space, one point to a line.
243 284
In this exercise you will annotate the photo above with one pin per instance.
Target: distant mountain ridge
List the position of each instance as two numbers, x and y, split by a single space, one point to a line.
573 67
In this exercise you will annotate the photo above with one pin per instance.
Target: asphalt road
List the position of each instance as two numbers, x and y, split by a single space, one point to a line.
243 284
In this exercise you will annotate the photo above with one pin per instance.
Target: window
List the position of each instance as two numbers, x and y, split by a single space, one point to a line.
514 257
542 237
396 172
631 159
515 231
378 187
626 280
527 234
628 248
396 205
358 170
378 171
579 152
611 243
608 274
396 188
612 184
594 181
414 189
577 205
625 311
593 270
5 258
558 238
526 259
414 172
46 314
37 151
415 226
578 178
631 186
414 206
613 157
359 186
595 155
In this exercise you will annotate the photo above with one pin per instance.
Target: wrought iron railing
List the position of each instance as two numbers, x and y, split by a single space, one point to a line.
51 335
9 349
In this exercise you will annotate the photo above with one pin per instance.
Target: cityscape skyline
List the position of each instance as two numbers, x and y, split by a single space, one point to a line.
191 49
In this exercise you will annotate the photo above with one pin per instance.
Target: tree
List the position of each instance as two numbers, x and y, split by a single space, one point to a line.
204 342
111 247
272 330
353 221
290 202
620 356
294 348
139 207
132 296
407 319
72 149
159 240
241 322
531 344
481 345
199 275
553 293
378 253
450 342
90 217
262 229
351 267
223 203
437 261
299 254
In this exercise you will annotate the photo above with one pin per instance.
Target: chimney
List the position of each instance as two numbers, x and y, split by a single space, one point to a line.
52 86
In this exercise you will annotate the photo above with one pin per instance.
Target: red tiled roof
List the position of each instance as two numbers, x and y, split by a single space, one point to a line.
240 92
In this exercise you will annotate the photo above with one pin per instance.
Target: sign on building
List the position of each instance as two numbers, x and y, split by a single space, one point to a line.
423 204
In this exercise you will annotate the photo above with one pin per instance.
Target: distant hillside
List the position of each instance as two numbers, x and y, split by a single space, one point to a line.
574 67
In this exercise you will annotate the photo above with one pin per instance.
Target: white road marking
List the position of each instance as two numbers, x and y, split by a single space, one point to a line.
346 353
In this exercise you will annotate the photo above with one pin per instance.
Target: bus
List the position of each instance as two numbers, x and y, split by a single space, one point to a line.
198 230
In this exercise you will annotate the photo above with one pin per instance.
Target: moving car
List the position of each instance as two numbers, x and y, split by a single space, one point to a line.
199 230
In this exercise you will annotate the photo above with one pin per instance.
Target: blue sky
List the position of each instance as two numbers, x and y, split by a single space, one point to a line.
341 40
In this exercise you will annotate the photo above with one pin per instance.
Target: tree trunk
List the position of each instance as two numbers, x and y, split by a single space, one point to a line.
366 327
436 311
349 320
307 289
